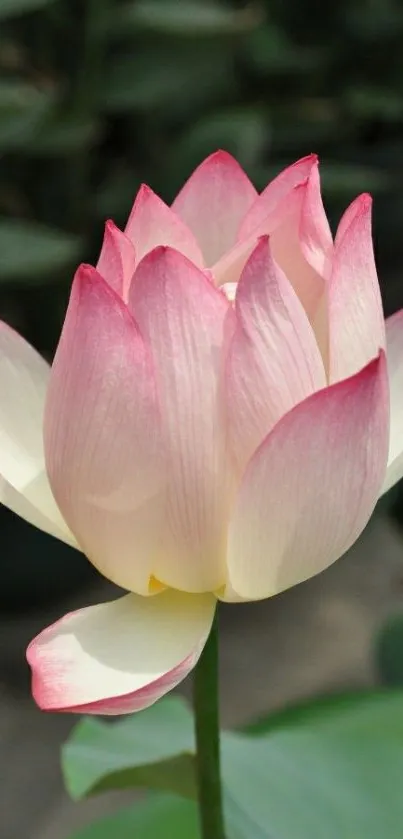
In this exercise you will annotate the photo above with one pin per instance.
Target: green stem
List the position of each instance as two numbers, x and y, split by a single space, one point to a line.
206 707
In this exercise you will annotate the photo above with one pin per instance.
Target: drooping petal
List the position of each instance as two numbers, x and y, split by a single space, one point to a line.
394 353
213 203
119 657
117 259
24 487
356 324
185 320
274 361
102 443
310 489
152 223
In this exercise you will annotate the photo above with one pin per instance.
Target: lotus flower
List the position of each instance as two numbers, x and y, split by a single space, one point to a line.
215 424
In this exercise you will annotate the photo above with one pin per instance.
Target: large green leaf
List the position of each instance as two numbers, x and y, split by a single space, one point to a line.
389 651
166 80
330 769
13 8
346 709
336 772
158 817
189 18
23 109
30 251
242 131
64 134
152 749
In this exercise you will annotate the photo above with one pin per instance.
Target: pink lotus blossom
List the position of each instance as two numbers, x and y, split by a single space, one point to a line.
215 423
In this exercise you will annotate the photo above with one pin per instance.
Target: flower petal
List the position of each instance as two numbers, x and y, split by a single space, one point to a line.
274 361
271 200
213 203
119 657
117 259
300 236
185 319
394 350
102 444
310 489
290 210
266 213
152 223
24 487
356 324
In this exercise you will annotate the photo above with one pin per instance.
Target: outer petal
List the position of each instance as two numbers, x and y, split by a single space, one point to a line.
121 656
213 203
274 361
394 349
117 259
152 223
309 490
356 321
24 487
102 443
185 320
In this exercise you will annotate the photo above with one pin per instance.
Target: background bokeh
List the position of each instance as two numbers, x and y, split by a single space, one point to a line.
97 96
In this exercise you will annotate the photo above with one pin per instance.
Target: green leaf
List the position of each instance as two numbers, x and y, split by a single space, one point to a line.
269 50
389 651
242 131
152 749
116 193
367 102
325 710
335 773
13 8
188 18
29 251
64 134
23 109
342 178
166 80
159 817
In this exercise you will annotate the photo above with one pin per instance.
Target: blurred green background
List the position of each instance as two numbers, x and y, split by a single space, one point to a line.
97 96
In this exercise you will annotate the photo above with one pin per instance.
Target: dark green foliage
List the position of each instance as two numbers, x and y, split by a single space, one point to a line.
98 95
389 651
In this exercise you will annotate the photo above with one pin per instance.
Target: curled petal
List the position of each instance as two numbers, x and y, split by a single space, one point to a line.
310 489
152 223
117 259
394 350
290 210
266 214
274 361
119 657
356 323
315 236
102 443
270 202
213 203
24 487
185 321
